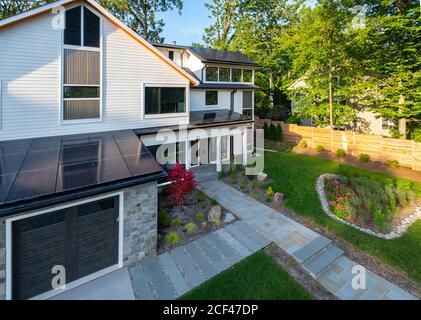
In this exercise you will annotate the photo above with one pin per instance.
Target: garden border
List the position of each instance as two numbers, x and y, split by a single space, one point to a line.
397 232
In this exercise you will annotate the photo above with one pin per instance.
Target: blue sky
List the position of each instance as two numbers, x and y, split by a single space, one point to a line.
189 27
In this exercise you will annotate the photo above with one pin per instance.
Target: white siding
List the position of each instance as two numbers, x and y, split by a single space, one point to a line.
198 100
30 70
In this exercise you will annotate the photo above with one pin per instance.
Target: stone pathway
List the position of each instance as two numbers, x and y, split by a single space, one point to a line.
324 261
174 273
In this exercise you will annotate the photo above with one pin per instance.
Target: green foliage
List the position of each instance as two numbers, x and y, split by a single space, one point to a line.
272 132
394 133
203 224
10 8
200 216
172 238
269 192
255 194
244 186
415 134
340 153
217 223
176 222
163 218
319 149
303 144
278 135
364 157
214 202
266 130
190 228
393 164
222 174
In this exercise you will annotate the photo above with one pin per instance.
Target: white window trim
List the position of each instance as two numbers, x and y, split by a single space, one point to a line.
212 105
69 286
229 67
165 115
83 48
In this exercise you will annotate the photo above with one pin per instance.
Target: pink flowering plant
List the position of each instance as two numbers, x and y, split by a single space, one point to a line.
339 196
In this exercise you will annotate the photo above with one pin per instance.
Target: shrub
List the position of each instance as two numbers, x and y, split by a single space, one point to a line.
415 134
183 183
394 133
340 153
222 174
268 199
244 186
201 197
203 224
214 202
364 157
393 164
255 184
255 194
217 223
266 130
278 132
172 239
319 149
200 216
303 144
234 181
163 218
190 228
269 192
272 132
176 222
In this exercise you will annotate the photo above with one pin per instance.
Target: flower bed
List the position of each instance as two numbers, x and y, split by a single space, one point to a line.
385 211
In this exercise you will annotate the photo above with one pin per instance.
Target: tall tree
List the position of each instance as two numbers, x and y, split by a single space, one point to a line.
10 8
140 15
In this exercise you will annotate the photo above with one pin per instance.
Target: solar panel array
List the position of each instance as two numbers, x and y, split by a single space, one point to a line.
38 167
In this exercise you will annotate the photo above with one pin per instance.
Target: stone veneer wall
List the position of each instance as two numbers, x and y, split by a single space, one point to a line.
140 228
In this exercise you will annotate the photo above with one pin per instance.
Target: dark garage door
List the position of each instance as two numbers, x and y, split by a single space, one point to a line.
83 239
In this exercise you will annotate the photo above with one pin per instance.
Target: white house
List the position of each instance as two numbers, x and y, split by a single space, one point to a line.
82 103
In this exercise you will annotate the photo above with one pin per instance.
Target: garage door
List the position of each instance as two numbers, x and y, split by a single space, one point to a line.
83 239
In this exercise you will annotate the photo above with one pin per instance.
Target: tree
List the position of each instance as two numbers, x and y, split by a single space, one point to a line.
183 183
140 15
10 8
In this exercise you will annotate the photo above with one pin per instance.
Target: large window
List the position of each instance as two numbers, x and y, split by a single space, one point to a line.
224 74
236 75
211 98
211 74
248 75
248 103
164 100
81 65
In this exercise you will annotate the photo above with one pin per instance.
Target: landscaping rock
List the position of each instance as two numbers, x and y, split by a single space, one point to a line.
278 197
215 213
261 177
229 217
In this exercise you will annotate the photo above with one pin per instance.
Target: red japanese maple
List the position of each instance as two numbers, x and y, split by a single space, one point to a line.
183 183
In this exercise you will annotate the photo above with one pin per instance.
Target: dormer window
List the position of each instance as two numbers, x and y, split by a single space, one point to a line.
171 55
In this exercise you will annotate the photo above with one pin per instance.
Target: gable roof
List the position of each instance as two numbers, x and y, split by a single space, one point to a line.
208 55
11 21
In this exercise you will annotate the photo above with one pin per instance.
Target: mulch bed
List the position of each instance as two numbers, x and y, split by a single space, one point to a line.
351 251
372 165
198 202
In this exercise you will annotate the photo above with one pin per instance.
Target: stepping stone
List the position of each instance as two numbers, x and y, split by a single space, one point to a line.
233 243
216 259
252 233
140 283
171 269
305 253
226 251
158 278
201 261
323 260
190 273
242 238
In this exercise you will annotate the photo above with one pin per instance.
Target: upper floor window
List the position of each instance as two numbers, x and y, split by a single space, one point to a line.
160 100
171 55
212 74
248 103
224 74
248 75
211 98
236 75
82 28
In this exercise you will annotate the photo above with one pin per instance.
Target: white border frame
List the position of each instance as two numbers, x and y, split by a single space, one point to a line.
69 286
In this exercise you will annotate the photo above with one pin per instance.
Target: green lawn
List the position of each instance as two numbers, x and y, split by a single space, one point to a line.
295 175
258 277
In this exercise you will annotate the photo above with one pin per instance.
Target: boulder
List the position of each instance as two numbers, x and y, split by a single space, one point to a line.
261 177
215 213
278 197
229 217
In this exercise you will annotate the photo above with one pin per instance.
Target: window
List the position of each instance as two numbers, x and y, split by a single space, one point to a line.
73 33
248 103
171 55
236 75
211 98
164 100
247 75
81 65
224 74
211 74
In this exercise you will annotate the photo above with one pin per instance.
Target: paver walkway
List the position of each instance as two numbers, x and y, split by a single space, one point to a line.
324 261
174 273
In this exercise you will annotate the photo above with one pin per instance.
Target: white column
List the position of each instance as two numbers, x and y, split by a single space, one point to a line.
218 154
245 147
187 153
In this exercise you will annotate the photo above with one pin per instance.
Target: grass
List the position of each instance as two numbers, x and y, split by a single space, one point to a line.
295 176
258 277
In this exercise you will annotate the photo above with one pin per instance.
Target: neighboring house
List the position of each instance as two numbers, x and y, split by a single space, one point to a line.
79 110
367 121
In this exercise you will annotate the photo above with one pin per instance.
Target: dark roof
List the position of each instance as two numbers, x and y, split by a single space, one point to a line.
45 171
212 55
200 118
232 86
191 73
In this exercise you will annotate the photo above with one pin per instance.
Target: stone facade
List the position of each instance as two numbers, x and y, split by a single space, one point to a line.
140 228
140 222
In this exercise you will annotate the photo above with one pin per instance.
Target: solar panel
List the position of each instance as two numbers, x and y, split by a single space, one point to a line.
6 182
38 160
11 163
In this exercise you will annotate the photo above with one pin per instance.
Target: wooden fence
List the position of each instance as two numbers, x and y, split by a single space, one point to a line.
407 152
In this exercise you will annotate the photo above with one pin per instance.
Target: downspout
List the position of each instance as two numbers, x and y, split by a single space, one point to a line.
233 100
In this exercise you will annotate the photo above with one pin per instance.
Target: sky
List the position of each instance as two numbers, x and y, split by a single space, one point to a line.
189 27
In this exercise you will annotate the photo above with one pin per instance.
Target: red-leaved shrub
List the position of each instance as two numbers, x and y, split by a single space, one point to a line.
183 183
